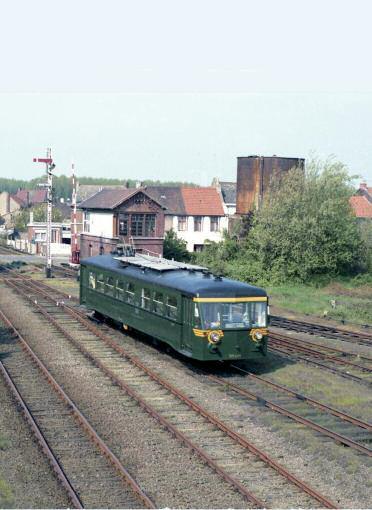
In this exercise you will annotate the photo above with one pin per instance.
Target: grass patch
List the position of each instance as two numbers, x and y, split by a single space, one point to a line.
6 495
4 443
352 297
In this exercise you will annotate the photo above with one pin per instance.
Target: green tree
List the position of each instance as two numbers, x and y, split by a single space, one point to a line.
306 228
175 248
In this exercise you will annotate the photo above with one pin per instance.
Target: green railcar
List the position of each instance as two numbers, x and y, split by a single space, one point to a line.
200 315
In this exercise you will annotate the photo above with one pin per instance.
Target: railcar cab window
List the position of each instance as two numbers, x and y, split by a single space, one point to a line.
158 303
100 283
130 293
240 315
110 286
120 290
171 307
146 299
92 280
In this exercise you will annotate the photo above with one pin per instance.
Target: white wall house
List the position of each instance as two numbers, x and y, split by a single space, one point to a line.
197 230
98 223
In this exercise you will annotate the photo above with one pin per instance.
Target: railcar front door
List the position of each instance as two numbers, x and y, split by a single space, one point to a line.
186 339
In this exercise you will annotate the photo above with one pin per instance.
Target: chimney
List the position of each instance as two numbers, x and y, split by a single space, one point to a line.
138 184
363 186
31 217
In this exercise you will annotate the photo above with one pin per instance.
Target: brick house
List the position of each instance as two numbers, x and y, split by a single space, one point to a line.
123 215
10 206
197 215
361 203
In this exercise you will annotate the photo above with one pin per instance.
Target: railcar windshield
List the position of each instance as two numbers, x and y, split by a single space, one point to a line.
240 315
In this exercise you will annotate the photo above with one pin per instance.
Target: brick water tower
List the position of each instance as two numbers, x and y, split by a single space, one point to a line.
254 175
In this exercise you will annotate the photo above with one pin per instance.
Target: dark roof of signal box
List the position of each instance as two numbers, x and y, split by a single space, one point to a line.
191 283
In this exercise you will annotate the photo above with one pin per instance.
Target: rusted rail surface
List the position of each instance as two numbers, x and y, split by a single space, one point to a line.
57 468
309 400
300 346
129 480
362 338
289 414
184 398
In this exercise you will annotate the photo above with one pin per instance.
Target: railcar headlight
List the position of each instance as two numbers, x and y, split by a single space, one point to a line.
258 335
214 337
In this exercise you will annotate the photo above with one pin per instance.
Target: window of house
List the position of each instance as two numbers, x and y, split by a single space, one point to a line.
123 224
130 293
182 223
171 307
110 286
150 225
158 303
215 224
86 222
92 280
100 282
40 236
146 299
139 199
120 290
137 224
198 247
198 223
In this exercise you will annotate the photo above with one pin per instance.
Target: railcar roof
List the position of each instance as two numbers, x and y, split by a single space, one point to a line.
192 283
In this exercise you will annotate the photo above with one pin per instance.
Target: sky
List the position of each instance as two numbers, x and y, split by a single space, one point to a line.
177 90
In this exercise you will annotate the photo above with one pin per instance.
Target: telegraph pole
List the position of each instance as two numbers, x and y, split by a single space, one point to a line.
74 251
49 187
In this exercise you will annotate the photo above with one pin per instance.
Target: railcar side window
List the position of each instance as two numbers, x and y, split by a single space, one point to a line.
171 307
120 290
158 303
146 299
92 280
100 283
110 286
130 293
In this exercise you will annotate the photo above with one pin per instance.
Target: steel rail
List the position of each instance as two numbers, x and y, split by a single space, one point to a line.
211 418
281 340
149 409
57 468
309 400
81 419
322 330
296 417
296 356
324 347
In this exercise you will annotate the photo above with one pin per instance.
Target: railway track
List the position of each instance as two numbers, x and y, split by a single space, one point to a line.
349 438
90 473
343 363
361 338
231 455
344 429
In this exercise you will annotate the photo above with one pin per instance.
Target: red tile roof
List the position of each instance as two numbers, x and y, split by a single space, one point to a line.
202 202
18 200
361 206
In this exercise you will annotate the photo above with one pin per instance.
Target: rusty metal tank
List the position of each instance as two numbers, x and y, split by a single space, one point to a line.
253 178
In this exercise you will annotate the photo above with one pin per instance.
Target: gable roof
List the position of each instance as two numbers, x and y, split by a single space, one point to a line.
85 191
228 190
169 197
202 202
18 200
362 206
112 198
32 196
